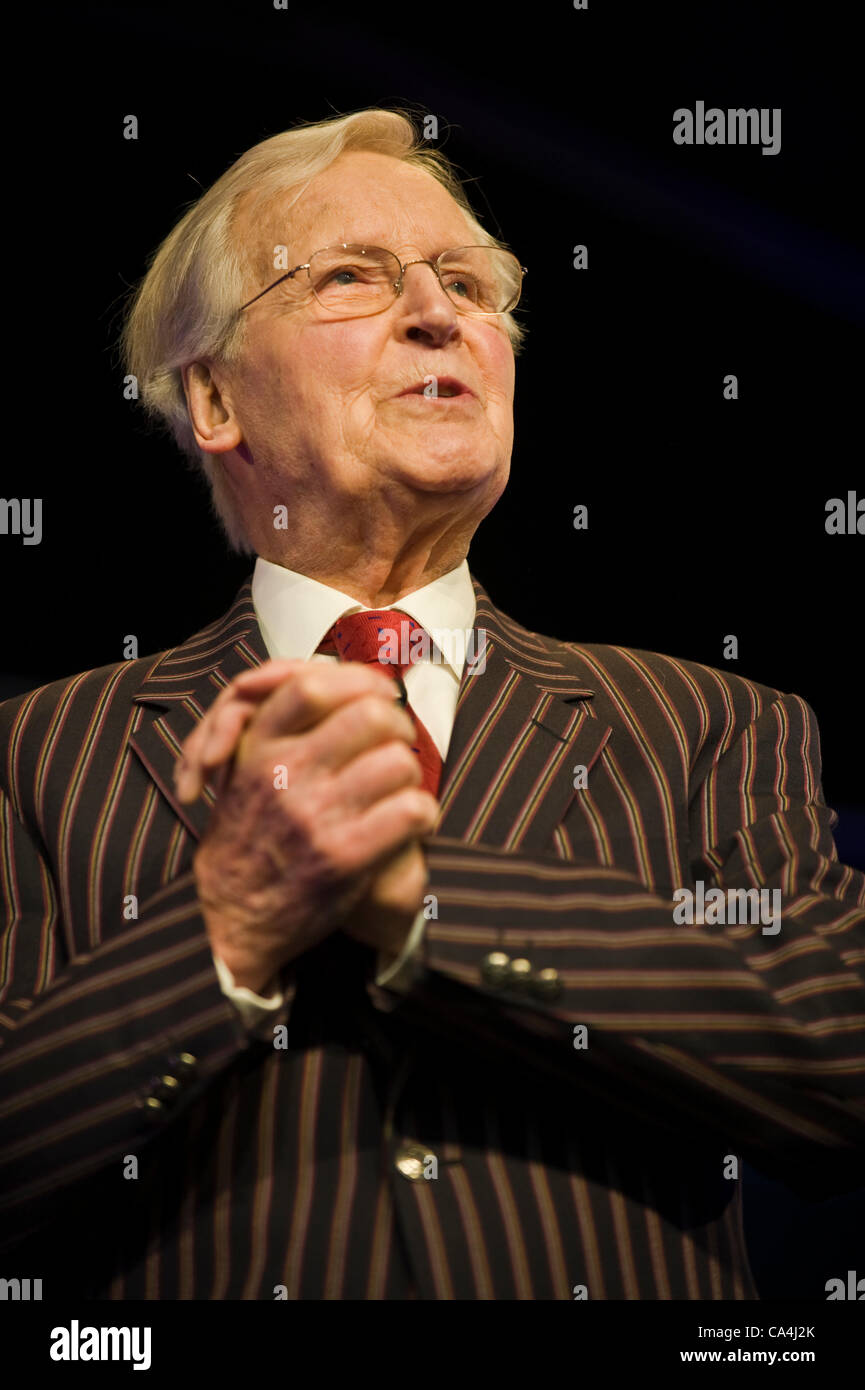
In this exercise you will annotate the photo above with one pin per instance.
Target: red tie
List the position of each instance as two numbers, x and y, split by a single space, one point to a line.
361 637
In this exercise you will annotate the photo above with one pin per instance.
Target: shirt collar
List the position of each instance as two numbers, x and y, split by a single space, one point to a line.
294 611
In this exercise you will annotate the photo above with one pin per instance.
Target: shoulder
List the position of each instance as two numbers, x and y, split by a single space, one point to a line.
656 694
69 712
630 672
102 704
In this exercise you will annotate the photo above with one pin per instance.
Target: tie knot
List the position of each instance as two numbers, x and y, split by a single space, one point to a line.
383 637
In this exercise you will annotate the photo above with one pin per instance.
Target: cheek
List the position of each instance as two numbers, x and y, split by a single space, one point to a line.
499 364
338 359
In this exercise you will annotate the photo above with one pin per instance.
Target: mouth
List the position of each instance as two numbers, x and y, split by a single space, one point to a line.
439 388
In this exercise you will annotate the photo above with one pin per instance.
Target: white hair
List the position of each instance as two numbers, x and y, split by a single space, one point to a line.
185 308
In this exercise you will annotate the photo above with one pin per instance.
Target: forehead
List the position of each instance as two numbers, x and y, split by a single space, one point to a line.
374 198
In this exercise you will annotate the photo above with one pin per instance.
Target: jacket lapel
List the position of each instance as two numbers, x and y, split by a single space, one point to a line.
523 723
182 685
524 720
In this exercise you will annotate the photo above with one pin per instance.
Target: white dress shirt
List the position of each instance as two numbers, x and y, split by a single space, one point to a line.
294 613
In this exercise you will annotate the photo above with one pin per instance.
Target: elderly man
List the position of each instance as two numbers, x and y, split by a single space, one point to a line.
346 960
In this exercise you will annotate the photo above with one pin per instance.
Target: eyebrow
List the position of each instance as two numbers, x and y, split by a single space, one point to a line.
367 241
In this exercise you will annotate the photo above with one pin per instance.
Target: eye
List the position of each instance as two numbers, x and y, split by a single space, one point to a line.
462 286
349 274
342 275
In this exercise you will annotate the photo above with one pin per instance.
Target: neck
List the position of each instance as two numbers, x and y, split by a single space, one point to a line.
373 569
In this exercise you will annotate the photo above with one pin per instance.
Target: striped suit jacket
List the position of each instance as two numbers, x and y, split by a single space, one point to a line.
492 1132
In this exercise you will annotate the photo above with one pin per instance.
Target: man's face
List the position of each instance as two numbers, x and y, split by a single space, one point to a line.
318 399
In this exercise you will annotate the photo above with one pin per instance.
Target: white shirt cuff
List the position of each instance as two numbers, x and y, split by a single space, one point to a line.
399 973
251 1007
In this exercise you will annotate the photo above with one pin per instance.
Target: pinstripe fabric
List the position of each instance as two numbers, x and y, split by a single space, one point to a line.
275 1167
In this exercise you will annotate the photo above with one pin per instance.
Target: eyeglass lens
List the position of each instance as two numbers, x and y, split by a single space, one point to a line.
361 280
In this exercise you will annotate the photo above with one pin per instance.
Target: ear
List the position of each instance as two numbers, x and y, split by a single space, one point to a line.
216 427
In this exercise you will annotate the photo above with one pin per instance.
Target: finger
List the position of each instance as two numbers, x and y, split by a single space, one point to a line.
217 741
188 768
375 775
217 735
314 692
357 727
390 824
354 729
250 685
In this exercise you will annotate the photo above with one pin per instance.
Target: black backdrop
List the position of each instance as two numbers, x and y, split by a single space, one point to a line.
706 516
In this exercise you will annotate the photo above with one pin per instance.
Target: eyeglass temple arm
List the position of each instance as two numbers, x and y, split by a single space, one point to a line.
287 276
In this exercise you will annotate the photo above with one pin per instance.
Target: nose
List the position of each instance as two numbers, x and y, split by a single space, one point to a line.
427 309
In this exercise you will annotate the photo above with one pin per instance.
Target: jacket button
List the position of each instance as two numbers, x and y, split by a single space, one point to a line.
183 1063
519 973
494 969
165 1087
411 1159
151 1108
546 984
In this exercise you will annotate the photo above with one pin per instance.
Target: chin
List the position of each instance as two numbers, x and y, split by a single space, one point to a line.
440 462
450 474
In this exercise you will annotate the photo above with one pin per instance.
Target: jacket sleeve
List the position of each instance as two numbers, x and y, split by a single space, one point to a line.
758 1039
99 1052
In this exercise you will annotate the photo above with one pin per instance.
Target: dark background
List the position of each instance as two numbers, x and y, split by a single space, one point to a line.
706 516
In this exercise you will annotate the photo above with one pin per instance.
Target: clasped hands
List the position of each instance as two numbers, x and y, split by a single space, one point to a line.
318 818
